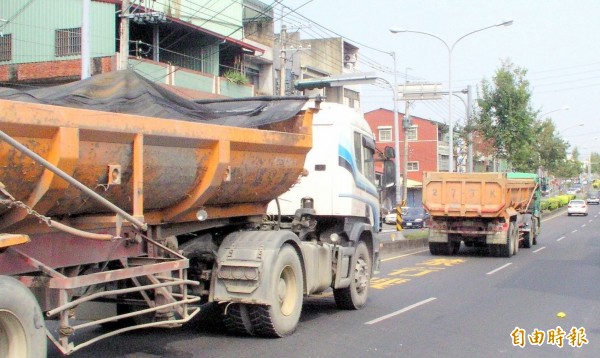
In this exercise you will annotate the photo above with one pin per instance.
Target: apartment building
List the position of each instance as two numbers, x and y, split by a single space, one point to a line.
427 150
219 48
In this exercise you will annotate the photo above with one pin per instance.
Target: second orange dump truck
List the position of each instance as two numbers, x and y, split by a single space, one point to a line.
500 211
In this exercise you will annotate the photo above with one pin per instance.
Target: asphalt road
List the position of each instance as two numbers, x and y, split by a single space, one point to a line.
420 305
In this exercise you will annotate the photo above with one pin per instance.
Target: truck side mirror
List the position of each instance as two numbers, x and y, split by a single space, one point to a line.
389 172
389 153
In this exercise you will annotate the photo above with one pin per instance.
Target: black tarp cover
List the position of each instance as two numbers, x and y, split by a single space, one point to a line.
128 92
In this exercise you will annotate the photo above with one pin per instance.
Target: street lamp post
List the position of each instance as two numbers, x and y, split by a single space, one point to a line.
396 135
565 108
450 48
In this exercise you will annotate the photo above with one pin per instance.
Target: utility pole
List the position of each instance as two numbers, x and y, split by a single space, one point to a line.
470 135
405 127
282 60
85 40
124 36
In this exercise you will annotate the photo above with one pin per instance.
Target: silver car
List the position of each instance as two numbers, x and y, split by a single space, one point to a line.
593 198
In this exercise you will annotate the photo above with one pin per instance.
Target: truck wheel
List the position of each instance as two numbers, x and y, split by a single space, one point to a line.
454 247
515 236
434 248
236 317
448 248
506 250
536 230
527 239
354 297
281 317
22 328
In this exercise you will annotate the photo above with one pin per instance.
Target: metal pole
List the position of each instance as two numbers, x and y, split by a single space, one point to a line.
282 60
450 48
451 127
85 40
124 36
405 156
396 134
470 135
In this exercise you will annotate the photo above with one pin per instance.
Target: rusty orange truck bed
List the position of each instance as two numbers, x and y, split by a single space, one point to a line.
157 214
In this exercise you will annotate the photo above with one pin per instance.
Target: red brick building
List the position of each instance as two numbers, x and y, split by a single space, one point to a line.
426 149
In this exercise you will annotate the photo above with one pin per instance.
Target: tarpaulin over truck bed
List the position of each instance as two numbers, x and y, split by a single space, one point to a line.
128 92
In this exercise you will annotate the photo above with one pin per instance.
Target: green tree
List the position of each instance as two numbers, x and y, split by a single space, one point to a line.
569 168
595 160
505 118
552 149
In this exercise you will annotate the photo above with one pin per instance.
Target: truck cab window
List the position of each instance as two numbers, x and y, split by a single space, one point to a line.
364 149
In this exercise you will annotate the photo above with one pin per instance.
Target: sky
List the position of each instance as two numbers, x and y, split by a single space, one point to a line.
556 41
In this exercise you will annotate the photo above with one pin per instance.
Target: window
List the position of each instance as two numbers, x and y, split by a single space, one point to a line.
68 42
364 150
412 166
385 134
352 98
411 133
6 47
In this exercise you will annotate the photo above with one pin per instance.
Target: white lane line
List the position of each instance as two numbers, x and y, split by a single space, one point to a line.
560 238
574 231
405 309
499 268
540 249
590 220
583 225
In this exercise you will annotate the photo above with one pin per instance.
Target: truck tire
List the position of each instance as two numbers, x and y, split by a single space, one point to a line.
22 327
236 317
434 248
355 296
515 236
454 247
280 318
536 229
494 250
527 239
506 250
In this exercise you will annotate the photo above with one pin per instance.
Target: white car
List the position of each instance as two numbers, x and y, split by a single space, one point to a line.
390 218
577 206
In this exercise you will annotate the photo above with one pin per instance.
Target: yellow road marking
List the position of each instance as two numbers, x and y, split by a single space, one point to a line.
397 257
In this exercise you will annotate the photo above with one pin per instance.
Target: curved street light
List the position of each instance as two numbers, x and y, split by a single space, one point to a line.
565 108
450 48
571 127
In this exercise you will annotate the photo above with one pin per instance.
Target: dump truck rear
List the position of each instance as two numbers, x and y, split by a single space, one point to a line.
500 211
156 217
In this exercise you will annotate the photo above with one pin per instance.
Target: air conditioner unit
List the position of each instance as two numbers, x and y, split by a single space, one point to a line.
350 58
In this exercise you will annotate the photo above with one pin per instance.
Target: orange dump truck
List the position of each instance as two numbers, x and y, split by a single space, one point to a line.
155 216
497 210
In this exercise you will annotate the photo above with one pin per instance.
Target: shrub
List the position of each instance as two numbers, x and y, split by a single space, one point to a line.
236 77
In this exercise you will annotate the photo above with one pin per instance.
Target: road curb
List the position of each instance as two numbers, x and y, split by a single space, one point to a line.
403 245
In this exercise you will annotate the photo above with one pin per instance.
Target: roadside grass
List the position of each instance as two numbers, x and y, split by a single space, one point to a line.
416 234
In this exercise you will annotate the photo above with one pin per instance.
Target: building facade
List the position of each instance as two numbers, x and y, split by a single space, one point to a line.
195 46
426 147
